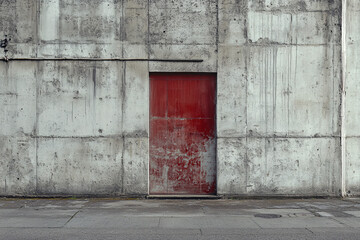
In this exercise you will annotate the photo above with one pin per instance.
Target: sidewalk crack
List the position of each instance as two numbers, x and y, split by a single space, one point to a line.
71 217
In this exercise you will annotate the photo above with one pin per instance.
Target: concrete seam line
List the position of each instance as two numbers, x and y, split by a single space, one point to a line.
343 94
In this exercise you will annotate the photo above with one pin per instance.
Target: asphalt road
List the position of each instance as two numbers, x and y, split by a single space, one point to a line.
179 219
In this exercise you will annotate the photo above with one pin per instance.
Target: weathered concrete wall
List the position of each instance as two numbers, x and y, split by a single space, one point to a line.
278 97
82 127
352 99
74 127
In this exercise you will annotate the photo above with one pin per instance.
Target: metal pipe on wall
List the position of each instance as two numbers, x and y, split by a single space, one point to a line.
101 59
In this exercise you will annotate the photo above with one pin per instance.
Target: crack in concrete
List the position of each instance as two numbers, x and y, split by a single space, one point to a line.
71 217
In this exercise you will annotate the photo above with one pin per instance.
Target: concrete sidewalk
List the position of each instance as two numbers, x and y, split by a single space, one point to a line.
179 219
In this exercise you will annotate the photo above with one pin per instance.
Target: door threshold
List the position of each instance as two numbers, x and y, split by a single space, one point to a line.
183 197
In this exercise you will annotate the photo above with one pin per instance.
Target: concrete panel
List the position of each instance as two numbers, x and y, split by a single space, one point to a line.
134 34
17 98
115 28
280 166
270 27
88 21
317 27
207 53
49 20
293 28
352 99
231 166
232 22
293 166
17 165
231 92
18 21
79 99
353 5
353 166
136 162
136 99
293 90
352 28
79 166
135 24
352 91
294 5
80 28
188 22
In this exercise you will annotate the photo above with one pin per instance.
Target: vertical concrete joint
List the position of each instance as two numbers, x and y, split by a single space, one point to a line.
123 99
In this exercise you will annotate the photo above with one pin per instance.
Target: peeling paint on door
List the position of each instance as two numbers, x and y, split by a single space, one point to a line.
182 133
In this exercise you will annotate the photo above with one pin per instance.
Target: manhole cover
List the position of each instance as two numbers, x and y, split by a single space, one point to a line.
268 215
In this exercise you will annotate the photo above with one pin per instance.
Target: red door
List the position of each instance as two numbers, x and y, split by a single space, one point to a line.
182 134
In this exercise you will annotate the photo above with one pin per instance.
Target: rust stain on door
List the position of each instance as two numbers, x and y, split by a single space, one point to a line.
182 134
